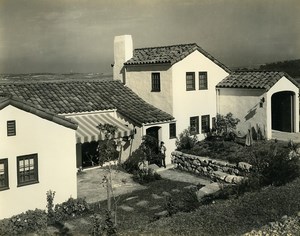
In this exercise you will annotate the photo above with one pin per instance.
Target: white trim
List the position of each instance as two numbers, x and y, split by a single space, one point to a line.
87 113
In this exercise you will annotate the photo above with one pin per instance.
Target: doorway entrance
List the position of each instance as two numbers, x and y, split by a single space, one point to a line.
283 111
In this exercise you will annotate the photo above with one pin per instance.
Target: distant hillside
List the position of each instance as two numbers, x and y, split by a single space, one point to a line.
52 76
292 67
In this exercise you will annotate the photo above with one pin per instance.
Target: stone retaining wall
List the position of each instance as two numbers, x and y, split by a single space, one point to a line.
214 169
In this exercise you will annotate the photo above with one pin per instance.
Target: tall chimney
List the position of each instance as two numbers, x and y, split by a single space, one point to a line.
123 51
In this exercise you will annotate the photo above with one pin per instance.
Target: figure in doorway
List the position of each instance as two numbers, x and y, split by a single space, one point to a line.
163 153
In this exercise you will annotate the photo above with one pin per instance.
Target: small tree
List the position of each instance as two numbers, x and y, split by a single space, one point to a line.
226 125
186 140
107 155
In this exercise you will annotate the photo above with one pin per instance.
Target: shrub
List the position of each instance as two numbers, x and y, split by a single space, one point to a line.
145 176
50 206
147 151
186 202
96 228
28 222
186 140
132 163
226 125
71 208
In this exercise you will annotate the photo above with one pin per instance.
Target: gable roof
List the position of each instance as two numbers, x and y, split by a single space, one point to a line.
168 55
88 95
253 79
6 100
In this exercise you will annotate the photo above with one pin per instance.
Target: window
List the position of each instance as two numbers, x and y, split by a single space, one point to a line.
4 174
11 128
155 82
190 81
203 80
27 167
205 124
194 125
172 130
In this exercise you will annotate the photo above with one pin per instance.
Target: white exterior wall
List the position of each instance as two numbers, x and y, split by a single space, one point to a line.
282 85
197 102
133 144
55 146
138 79
245 105
123 51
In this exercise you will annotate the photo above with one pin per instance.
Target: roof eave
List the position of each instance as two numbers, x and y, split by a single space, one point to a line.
24 106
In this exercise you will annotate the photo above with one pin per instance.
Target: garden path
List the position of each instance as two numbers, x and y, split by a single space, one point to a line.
91 187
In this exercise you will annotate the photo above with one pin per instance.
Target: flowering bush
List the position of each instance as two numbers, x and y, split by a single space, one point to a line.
30 221
71 208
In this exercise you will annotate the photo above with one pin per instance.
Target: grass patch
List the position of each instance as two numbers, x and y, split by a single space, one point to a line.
232 217
143 205
233 152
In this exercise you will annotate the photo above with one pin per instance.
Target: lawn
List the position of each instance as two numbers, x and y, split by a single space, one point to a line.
136 211
231 217
139 208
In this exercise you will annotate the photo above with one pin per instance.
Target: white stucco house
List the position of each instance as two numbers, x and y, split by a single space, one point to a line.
90 102
193 86
178 79
36 155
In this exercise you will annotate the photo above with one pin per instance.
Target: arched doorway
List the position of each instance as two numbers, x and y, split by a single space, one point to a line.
283 111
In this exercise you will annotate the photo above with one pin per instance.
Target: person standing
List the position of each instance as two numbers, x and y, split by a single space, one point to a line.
163 153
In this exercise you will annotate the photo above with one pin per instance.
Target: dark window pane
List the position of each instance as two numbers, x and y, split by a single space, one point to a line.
205 123
194 125
190 81
27 169
203 80
4 174
172 128
11 128
155 82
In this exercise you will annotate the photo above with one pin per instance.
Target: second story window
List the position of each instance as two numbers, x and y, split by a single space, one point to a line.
194 125
11 128
155 77
203 80
190 81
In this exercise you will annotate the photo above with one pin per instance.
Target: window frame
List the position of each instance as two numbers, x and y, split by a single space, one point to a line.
196 121
4 161
205 127
11 128
172 130
187 81
35 169
155 82
203 80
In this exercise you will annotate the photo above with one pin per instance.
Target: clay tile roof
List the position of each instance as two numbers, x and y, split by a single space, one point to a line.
253 79
65 97
6 100
168 54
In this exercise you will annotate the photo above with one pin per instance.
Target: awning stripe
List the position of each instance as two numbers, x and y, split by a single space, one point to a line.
87 127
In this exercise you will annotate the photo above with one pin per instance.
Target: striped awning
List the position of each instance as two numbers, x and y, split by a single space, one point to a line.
87 130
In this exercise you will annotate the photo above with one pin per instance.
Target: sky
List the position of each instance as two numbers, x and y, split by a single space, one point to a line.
62 36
